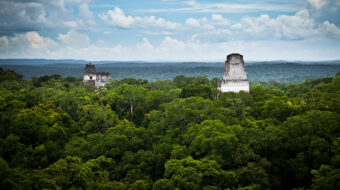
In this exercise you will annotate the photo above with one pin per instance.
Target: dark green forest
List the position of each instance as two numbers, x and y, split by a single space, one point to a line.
58 133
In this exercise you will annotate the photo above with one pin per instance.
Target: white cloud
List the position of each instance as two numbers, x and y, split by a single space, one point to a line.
261 50
93 52
191 3
292 27
219 20
84 19
298 26
29 44
74 39
153 22
291 36
159 33
71 24
325 10
174 46
191 22
200 24
23 16
3 42
33 45
33 15
33 40
117 18
85 14
170 44
331 28
236 26
144 45
171 49
226 7
317 4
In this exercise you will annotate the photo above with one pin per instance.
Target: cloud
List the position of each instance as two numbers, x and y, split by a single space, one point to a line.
75 45
120 20
29 44
74 39
173 46
3 43
318 4
201 24
117 18
298 26
32 15
86 14
308 32
144 45
168 48
167 33
72 45
325 10
30 40
23 16
219 20
93 52
191 22
331 28
170 44
33 45
193 6
192 49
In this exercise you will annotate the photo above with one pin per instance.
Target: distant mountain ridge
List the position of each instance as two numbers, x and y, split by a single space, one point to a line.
55 61
259 71
80 61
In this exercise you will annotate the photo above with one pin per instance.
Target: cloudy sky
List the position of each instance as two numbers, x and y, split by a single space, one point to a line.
170 30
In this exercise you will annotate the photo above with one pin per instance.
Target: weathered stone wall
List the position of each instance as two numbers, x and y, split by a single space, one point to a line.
87 77
234 68
234 77
234 86
97 78
90 69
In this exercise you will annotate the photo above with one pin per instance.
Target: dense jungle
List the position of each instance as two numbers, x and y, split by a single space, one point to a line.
58 133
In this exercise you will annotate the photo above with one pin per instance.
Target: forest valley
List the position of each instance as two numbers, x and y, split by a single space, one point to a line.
57 133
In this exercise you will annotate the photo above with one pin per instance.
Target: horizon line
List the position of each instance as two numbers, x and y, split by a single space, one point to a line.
153 61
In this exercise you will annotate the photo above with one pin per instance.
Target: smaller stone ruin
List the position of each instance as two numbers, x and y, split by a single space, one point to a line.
234 77
98 79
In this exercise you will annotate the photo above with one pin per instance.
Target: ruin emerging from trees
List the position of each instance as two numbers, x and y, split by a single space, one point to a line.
234 77
98 79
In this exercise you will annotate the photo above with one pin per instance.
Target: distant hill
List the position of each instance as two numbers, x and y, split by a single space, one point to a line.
259 71
137 63
54 61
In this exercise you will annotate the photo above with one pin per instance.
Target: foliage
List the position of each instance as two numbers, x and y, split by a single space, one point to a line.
182 134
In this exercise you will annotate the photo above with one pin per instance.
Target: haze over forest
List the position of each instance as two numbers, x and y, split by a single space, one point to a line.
280 71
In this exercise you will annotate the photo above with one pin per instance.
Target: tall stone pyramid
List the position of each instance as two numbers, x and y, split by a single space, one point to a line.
234 77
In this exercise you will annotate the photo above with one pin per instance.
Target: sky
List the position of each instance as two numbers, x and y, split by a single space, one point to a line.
170 30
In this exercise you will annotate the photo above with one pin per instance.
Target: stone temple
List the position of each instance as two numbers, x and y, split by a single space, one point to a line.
234 77
98 79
